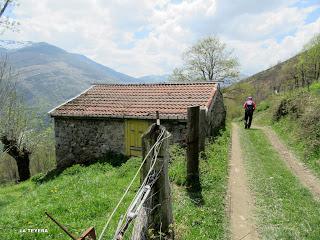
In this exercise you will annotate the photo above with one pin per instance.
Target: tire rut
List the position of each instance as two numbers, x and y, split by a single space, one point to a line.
240 203
303 173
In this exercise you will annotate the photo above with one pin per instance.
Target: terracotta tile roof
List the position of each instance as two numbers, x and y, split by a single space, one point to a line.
137 100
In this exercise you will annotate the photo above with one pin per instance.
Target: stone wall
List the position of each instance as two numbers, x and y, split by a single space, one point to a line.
216 115
85 140
178 129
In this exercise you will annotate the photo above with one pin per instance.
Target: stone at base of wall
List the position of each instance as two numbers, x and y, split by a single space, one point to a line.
86 140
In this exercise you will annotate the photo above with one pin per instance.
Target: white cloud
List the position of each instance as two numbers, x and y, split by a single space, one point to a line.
148 37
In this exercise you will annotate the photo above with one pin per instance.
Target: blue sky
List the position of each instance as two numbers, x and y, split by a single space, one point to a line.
148 37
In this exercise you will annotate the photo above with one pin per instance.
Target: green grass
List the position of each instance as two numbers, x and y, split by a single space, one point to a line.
284 209
205 218
79 198
288 131
299 127
315 87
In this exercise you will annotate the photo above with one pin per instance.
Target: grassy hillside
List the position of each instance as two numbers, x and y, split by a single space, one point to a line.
295 116
261 85
297 72
80 197
84 196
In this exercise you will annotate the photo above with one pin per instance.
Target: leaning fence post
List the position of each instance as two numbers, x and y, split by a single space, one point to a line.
193 146
156 215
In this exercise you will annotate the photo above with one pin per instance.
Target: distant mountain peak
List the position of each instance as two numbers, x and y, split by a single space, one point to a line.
11 44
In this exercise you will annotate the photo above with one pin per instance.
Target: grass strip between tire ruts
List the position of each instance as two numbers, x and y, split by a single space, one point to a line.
284 208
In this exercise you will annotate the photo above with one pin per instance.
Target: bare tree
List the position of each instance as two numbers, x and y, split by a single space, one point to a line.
5 21
4 7
207 60
15 127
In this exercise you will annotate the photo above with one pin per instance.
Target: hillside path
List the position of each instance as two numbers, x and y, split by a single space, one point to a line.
303 173
240 203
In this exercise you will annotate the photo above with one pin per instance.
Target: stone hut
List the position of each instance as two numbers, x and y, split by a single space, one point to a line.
112 117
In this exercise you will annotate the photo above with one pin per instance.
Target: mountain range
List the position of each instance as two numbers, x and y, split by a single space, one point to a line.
48 75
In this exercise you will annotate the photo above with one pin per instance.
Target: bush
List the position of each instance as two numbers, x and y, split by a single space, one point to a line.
303 109
315 87
37 178
292 106
264 105
310 129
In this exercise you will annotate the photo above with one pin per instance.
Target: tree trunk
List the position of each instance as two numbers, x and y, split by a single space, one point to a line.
23 167
22 156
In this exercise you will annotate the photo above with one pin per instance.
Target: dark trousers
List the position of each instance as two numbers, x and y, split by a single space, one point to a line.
248 118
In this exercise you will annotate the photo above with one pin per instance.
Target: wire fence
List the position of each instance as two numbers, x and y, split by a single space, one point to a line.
143 194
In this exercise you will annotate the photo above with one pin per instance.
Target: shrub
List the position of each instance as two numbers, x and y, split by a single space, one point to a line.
264 105
37 178
292 106
315 87
310 128
303 109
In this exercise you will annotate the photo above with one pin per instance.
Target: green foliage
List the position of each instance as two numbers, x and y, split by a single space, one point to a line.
80 197
178 168
293 107
303 108
309 61
37 178
235 96
298 72
285 209
310 129
263 106
202 217
315 87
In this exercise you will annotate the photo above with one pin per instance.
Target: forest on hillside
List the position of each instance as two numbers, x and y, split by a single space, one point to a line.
297 72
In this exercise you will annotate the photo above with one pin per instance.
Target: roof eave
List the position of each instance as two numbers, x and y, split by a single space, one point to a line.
51 112
174 117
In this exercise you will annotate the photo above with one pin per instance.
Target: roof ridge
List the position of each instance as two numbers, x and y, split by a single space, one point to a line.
148 84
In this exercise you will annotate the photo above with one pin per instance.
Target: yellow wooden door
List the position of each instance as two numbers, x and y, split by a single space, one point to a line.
134 130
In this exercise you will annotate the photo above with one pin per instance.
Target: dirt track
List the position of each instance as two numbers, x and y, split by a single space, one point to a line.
240 204
306 177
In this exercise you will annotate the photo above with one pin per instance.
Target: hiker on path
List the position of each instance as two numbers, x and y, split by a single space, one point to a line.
249 107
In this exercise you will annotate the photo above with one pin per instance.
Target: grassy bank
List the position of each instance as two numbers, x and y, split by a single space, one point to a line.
81 197
285 209
295 116
202 216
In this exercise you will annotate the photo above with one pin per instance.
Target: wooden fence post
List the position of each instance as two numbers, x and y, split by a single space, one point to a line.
193 147
157 210
202 129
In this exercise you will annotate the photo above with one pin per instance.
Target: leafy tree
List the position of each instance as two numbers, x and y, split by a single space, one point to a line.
207 60
309 62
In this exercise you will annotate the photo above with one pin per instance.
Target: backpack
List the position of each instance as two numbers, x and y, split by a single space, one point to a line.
249 106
